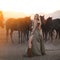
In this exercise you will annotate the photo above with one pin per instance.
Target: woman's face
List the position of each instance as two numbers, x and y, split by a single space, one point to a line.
36 17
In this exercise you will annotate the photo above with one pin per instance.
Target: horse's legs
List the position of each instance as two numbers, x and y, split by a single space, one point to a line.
7 33
45 36
51 35
24 36
27 35
57 33
11 35
19 36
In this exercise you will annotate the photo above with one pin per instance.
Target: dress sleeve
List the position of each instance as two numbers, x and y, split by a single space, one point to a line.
34 26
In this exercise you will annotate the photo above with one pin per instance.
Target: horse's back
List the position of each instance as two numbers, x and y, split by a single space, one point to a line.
11 23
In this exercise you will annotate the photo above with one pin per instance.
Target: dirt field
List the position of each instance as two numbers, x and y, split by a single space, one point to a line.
9 51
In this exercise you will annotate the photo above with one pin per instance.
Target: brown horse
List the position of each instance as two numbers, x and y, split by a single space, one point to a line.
21 25
1 24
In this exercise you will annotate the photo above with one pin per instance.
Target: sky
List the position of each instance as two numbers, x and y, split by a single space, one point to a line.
30 6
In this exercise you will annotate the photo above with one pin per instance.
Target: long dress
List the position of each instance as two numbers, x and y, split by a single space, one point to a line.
37 41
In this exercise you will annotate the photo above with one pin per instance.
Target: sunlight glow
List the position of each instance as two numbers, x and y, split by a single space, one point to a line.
30 6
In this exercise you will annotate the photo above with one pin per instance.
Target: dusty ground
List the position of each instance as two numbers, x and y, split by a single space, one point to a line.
16 52
9 51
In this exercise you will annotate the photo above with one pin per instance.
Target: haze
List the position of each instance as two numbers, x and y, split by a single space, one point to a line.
29 6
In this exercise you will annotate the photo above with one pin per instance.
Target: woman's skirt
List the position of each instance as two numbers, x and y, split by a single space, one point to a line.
37 48
37 43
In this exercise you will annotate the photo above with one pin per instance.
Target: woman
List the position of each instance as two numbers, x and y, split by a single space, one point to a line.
35 42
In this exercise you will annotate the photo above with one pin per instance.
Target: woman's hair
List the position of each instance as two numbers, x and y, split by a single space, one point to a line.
39 20
37 16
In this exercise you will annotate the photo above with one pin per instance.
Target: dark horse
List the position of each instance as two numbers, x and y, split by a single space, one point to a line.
22 25
56 26
46 27
49 25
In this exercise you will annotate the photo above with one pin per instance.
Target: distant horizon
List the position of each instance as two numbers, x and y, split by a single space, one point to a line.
30 13
14 14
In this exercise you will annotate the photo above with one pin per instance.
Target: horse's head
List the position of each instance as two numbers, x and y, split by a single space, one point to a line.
49 19
42 19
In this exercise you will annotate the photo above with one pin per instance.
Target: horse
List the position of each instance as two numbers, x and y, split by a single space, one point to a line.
56 26
46 26
43 22
49 25
1 20
25 28
1 24
19 24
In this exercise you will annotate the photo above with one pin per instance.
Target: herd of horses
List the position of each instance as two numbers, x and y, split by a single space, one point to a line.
50 26
24 28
